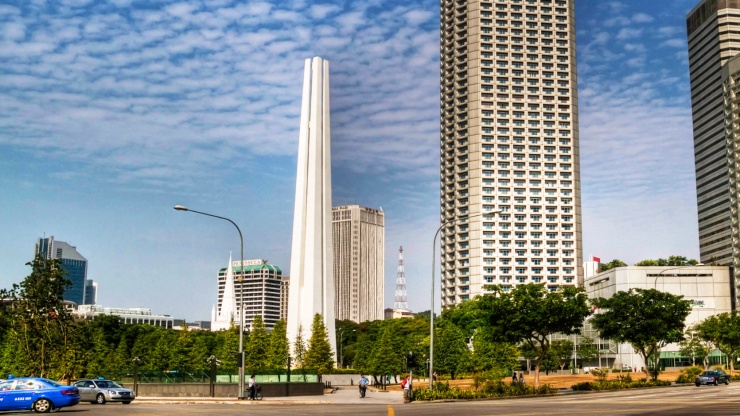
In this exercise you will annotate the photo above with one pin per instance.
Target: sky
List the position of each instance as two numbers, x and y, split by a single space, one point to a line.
114 111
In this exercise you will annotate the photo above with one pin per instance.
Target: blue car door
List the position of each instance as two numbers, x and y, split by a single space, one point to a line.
5 387
21 396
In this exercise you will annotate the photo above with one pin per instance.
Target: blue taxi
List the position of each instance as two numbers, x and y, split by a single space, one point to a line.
38 394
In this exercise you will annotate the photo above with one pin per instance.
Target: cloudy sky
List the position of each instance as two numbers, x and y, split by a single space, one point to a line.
113 111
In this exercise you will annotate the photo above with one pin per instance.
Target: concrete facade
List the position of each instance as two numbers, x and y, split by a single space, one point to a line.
509 142
708 287
127 315
256 287
713 28
731 86
311 264
359 263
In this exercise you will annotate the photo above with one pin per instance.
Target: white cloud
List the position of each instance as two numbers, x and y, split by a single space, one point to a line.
676 43
642 18
629 33
320 11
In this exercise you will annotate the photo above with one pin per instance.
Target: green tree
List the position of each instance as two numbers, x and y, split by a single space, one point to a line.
98 355
647 319
199 354
319 355
227 348
180 359
562 350
587 349
42 328
258 345
611 265
299 348
695 347
277 355
531 313
450 349
387 357
723 330
489 355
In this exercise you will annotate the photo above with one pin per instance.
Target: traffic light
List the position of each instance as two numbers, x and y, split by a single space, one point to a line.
411 360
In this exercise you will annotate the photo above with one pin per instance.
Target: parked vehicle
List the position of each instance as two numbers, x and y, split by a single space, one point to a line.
101 391
38 394
712 377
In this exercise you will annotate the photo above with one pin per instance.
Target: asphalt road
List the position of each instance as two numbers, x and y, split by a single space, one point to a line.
705 400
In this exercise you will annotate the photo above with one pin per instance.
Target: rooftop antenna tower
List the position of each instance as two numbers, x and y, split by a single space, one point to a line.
401 301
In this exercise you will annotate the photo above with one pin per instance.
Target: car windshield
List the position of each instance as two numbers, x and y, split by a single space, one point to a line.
107 384
709 373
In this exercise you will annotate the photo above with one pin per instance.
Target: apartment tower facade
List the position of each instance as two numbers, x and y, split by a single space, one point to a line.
713 29
509 143
359 262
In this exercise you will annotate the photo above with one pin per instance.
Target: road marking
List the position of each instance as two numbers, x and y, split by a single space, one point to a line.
391 412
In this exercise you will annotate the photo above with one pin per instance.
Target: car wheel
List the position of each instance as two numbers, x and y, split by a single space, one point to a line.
42 406
126 402
727 382
100 399
698 384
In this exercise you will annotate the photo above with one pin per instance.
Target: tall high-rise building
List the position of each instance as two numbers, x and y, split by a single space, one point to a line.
72 262
509 142
713 29
258 293
311 288
359 263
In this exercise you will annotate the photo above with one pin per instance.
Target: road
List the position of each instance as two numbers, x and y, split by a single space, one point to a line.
705 400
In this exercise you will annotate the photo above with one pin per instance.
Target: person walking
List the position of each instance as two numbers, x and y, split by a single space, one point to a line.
521 378
513 378
252 387
363 385
406 385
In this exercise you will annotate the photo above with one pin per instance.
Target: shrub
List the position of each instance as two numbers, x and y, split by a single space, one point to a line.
489 389
688 375
600 373
618 384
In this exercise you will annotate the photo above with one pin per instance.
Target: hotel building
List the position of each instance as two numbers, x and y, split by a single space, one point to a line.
509 143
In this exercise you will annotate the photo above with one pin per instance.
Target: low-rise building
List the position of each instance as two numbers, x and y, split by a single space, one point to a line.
127 315
709 289
391 313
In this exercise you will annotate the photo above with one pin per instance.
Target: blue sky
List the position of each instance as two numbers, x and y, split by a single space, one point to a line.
111 112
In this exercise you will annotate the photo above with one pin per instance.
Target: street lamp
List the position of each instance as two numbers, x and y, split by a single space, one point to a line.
241 295
655 284
431 309
341 333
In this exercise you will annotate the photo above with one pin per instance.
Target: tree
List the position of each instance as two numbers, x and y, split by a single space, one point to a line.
387 357
199 354
562 350
258 345
647 319
531 313
227 348
611 265
450 349
277 355
42 328
299 348
670 261
586 349
489 355
723 330
319 356
695 347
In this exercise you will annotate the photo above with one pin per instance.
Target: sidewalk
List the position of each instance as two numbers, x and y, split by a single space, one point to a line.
343 395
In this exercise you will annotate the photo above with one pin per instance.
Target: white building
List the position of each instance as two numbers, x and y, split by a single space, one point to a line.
127 315
707 287
359 263
509 142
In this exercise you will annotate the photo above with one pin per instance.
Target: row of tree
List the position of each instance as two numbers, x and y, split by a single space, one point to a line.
670 261
39 337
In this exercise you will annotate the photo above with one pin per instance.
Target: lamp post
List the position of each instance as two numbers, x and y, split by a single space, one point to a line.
431 308
241 295
341 333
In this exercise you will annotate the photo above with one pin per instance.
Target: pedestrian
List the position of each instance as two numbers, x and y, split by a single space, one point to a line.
363 385
521 378
252 387
513 378
434 376
406 385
